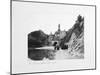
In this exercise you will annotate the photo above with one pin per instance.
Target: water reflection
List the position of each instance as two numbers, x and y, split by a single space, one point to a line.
40 54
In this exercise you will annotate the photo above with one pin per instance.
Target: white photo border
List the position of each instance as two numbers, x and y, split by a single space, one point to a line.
47 3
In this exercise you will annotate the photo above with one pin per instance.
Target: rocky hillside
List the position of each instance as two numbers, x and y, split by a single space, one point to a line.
77 28
75 37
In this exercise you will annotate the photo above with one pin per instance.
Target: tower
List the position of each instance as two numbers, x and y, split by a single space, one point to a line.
58 27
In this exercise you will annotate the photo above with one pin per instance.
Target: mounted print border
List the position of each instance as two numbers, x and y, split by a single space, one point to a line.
51 37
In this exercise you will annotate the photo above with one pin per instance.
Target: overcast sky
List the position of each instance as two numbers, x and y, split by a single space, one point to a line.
45 16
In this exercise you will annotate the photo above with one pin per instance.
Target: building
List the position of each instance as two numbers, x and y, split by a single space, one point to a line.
57 36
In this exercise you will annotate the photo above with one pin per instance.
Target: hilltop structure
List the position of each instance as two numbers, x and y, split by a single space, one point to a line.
57 36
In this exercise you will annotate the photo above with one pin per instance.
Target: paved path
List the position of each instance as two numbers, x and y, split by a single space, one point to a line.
64 54
61 54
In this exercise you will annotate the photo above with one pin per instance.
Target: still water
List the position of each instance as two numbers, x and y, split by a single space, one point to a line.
40 54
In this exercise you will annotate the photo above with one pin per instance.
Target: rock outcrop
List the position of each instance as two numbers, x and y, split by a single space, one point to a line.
75 37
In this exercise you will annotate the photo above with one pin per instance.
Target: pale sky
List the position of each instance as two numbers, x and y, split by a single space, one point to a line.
46 16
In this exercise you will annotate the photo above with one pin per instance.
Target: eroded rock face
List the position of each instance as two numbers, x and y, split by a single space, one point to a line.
77 44
75 37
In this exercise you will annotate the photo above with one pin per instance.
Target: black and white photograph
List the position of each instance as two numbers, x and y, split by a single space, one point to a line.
49 37
52 44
